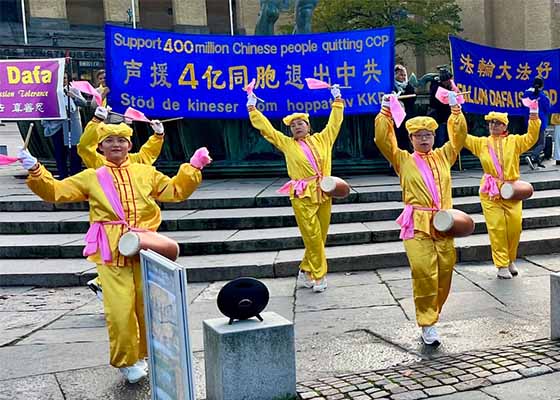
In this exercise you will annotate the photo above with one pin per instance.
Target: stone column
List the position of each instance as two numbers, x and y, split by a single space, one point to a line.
190 16
48 14
247 13
116 11
538 25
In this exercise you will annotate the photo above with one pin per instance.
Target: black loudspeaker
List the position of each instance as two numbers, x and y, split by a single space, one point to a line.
243 298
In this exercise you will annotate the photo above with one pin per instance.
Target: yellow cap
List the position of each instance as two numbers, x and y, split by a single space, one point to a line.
416 124
498 116
105 130
288 119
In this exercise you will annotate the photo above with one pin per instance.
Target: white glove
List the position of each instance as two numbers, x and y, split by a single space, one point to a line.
531 89
386 101
452 98
251 100
101 113
26 158
335 91
157 126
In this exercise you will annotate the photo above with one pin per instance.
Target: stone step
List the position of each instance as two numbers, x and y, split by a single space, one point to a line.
241 218
216 242
212 195
270 264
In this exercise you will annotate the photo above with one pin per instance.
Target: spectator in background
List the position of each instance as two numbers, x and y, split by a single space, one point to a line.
402 86
535 159
102 88
555 120
439 111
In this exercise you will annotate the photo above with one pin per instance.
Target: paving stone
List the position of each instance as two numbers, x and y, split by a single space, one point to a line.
379 395
449 381
472 385
414 395
535 371
363 386
347 389
466 377
329 392
440 390
335 397
504 377
309 395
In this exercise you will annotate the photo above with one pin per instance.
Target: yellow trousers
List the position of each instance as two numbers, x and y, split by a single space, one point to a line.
313 221
124 313
431 264
503 220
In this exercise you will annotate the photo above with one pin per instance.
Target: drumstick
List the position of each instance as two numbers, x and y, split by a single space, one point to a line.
28 136
171 119
406 96
467 92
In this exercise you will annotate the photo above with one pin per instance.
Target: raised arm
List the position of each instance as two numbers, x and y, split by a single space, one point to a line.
386 140
330 132
260 122
87 147
528 140
457 129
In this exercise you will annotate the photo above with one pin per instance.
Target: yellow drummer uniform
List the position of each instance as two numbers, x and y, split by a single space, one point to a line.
312 207
431 254
138 186
87 148
503 217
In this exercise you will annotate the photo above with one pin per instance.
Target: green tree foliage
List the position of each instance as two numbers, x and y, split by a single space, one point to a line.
421 25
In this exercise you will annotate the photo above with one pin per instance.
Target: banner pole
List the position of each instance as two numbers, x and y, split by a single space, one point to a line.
24 22
231 17
133 8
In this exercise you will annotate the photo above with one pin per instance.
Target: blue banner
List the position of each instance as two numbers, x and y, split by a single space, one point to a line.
497 78
167 74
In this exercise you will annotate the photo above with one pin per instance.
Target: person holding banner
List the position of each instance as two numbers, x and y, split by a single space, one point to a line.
122 196
308 159
499 155
65 133
402 86
535 92
425 178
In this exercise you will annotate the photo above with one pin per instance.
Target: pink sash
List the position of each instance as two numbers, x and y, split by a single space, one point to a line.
299 185
406 219
490 185
96 237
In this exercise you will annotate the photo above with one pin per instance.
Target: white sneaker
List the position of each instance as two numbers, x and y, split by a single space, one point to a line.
430 336
305 280
134 373
142 364
320 285
530 162
513 269
503 273
95 288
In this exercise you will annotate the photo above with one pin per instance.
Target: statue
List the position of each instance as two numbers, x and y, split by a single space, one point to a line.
304 13
268 15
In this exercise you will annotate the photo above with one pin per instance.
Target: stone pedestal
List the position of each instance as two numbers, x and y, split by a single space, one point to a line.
555 306
250 360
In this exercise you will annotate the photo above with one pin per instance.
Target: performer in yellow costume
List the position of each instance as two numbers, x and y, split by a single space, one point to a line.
430 253
87 147
136 187
87 150
308 158
499 155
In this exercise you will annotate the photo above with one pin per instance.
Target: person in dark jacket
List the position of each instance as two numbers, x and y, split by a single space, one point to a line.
402 86
535 92
439 111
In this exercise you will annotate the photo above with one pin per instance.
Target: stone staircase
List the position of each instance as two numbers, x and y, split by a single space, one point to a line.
231 228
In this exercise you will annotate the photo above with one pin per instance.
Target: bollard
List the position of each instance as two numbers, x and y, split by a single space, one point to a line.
250 360
555 306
